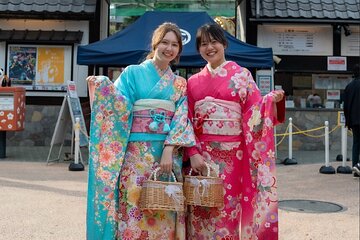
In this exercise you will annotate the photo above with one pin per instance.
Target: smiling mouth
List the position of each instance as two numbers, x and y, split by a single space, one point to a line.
211 54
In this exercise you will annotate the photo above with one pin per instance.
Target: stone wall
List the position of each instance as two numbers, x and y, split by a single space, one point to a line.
312 119
40 122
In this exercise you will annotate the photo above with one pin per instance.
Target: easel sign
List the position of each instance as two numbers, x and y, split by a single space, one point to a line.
76 112
70 110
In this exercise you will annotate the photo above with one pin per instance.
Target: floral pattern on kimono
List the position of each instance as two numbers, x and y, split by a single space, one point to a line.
114 190
245 162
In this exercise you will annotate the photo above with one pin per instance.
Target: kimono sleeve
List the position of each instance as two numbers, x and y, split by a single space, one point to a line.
258 122
181 131
109 132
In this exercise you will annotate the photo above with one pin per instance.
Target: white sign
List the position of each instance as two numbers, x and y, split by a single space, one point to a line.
350 45
336 63
331 81
71 87
296 40
264 81
6 103
333 94
289 104
341 118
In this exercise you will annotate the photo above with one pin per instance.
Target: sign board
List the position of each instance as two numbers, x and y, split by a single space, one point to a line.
6 103
336 63
70 110
264 81
341 118
286 39
333 94
61 124
350 45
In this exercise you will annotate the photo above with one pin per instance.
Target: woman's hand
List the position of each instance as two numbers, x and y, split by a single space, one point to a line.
91 79
278 95
197 163
166 162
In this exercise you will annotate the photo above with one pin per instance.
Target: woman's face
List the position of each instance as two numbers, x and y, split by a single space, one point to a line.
212 51
167 49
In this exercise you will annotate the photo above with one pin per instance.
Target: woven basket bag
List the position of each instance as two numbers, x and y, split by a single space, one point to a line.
207 191
160 195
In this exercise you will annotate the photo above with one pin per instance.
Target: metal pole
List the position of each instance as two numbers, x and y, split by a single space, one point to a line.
77 140
290 139
327 163
343 144
327 169
76 166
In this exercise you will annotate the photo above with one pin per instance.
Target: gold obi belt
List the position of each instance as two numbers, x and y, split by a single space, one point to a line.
152 116
217 117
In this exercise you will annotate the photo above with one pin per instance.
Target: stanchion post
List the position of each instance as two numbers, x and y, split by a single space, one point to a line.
290 160
327 169
343 168
76 165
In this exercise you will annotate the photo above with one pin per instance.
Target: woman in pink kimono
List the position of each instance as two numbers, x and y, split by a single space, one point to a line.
233 124
138 123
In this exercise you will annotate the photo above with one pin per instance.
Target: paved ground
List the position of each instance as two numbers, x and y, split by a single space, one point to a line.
40 201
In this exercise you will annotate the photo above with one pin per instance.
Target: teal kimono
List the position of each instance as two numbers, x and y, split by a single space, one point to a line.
131 121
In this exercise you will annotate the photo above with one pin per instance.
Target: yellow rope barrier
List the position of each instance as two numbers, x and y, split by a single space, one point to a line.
304 132
282 139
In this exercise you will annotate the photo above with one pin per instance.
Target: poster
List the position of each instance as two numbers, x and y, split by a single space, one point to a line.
22 65
50 66
40 68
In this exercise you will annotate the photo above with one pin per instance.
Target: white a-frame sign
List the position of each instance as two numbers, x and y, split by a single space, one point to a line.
70 110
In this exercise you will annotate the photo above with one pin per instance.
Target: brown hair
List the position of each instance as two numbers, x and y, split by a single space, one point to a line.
160 33
210 30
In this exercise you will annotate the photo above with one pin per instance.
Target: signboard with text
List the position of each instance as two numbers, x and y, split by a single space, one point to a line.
296 40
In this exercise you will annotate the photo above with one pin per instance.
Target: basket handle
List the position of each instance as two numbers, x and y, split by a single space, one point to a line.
208 169
156 170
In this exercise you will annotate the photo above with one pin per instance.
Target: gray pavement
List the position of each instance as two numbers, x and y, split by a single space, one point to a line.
40 201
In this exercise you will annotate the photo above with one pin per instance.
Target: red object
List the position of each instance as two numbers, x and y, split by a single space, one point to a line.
12 108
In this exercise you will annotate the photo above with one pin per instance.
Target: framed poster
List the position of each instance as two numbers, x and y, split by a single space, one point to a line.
39 67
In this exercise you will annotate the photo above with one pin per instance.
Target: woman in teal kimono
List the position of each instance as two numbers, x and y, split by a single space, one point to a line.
137 124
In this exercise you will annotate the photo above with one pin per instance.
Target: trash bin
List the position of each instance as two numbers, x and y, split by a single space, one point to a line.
12 113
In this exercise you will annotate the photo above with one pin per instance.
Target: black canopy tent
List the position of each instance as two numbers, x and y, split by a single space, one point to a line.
131 45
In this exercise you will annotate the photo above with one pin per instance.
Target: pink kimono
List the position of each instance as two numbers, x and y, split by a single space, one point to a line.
234 124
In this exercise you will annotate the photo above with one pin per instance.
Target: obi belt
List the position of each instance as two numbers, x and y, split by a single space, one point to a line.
151 119
217 117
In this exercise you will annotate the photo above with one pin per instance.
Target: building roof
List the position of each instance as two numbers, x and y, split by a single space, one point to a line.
82 9
64 37
308 9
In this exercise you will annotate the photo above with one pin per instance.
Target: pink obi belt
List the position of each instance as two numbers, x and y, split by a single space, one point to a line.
217 117
152 116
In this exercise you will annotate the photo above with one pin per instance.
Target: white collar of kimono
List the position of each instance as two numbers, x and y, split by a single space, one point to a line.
145 104
217 69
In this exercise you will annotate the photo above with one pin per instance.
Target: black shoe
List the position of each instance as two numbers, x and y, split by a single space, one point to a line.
356 169
356 175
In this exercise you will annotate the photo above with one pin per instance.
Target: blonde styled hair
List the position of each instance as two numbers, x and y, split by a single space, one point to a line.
158 35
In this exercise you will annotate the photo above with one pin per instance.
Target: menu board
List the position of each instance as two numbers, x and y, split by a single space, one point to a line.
296 40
